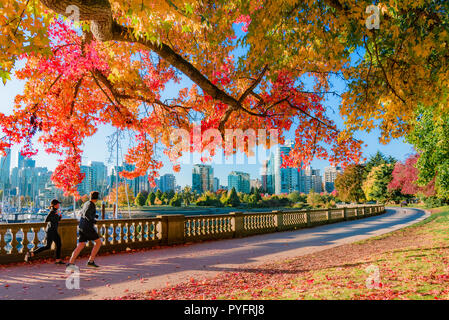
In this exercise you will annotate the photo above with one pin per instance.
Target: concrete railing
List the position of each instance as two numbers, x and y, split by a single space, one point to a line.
125 234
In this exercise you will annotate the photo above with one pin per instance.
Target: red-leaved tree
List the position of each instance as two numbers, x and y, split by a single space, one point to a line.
83 84
405 176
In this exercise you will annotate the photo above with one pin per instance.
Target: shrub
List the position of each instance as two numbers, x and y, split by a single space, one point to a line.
176 201
140 200
233 199
209 199
151 199
433 202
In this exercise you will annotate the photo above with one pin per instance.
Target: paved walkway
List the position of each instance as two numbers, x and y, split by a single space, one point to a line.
140 271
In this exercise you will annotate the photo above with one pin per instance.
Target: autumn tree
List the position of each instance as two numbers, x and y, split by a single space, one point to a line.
125 195
349 184
314 199
405 179
375 186
113 66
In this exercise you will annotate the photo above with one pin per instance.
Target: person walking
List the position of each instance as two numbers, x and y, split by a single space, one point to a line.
87 232
52 234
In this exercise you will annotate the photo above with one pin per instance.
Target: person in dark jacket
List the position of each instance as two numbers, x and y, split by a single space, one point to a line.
52 234
87 232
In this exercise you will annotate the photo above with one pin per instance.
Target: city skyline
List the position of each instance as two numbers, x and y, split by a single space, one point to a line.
106 175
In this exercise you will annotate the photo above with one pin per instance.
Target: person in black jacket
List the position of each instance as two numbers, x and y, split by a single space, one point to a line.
52 234
87 232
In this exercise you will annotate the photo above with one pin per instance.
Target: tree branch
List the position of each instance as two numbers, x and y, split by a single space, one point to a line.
75 94
383 70
253 85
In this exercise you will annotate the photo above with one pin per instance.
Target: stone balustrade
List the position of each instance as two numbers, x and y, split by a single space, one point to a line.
126 234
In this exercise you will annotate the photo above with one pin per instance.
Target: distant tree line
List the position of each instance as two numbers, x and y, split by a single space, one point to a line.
383 179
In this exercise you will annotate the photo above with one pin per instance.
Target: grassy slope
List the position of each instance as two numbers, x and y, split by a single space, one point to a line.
413 263
418 270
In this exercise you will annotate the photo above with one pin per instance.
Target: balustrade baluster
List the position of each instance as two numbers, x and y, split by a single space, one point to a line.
208 223
132 232
203 226
112 234
188 227
153 230
141 232
192 227
195 227
25 241
146 230
14 241
2 241
36 240
119 235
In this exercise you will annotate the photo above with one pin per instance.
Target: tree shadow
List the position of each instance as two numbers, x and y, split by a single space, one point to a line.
197 260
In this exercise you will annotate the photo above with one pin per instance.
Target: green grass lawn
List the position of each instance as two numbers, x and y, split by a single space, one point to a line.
418 271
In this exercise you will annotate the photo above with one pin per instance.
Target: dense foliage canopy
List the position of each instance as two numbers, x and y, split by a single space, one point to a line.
113 66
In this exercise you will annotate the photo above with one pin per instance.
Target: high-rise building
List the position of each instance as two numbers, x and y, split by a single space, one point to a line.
5 166
98 176
85 187
167 182
112 178
141 184
310 180
330 175
95 178
202 178
24 162
14 178
286 180
278 180
240 181
216 184
317 181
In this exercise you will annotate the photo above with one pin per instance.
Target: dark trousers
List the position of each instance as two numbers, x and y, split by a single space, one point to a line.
51 237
